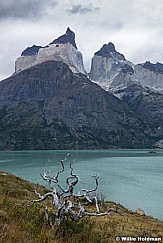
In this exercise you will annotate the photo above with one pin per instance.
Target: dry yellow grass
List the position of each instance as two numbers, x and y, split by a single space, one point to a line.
22 224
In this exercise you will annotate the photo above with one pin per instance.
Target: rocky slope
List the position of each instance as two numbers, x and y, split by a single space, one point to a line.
49 102
150 75
139 86
111 70
21 223
48 106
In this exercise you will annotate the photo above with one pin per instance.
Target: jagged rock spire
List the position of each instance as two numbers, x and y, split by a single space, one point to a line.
58 50
108 50
69 36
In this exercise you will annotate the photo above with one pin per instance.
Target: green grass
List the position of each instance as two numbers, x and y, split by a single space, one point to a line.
22 224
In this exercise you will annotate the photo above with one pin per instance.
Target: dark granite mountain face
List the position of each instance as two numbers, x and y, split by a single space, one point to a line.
108 50
147 105
158 67
49 107
69 37
127 69
30 51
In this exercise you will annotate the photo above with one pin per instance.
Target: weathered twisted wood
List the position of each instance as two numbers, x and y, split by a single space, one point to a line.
65 201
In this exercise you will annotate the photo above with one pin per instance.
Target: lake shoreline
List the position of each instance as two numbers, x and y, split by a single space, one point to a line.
130 177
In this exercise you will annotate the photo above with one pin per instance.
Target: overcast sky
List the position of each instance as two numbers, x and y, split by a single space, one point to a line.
134 26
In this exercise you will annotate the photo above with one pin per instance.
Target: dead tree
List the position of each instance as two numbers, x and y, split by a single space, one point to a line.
66 202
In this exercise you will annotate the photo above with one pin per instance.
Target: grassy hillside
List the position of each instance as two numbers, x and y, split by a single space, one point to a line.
22 224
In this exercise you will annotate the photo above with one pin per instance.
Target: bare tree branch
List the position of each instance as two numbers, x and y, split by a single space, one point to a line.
65 201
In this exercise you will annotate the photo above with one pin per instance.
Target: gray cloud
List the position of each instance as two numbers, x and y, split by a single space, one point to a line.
136 31
81 9
24 8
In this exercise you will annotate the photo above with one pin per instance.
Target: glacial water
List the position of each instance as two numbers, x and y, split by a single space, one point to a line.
133 178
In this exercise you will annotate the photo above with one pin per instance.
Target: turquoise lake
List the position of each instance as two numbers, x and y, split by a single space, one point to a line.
133 178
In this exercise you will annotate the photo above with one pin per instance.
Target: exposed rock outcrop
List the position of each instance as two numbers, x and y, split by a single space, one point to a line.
49 102
109 51
106 64
30 51
157 68
159 144
140 212
150 75
49 107
69 37
146 104
111 71
61 49
140 86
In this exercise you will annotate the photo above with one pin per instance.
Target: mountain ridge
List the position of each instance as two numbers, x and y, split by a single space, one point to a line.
61 49
49 107
51 103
